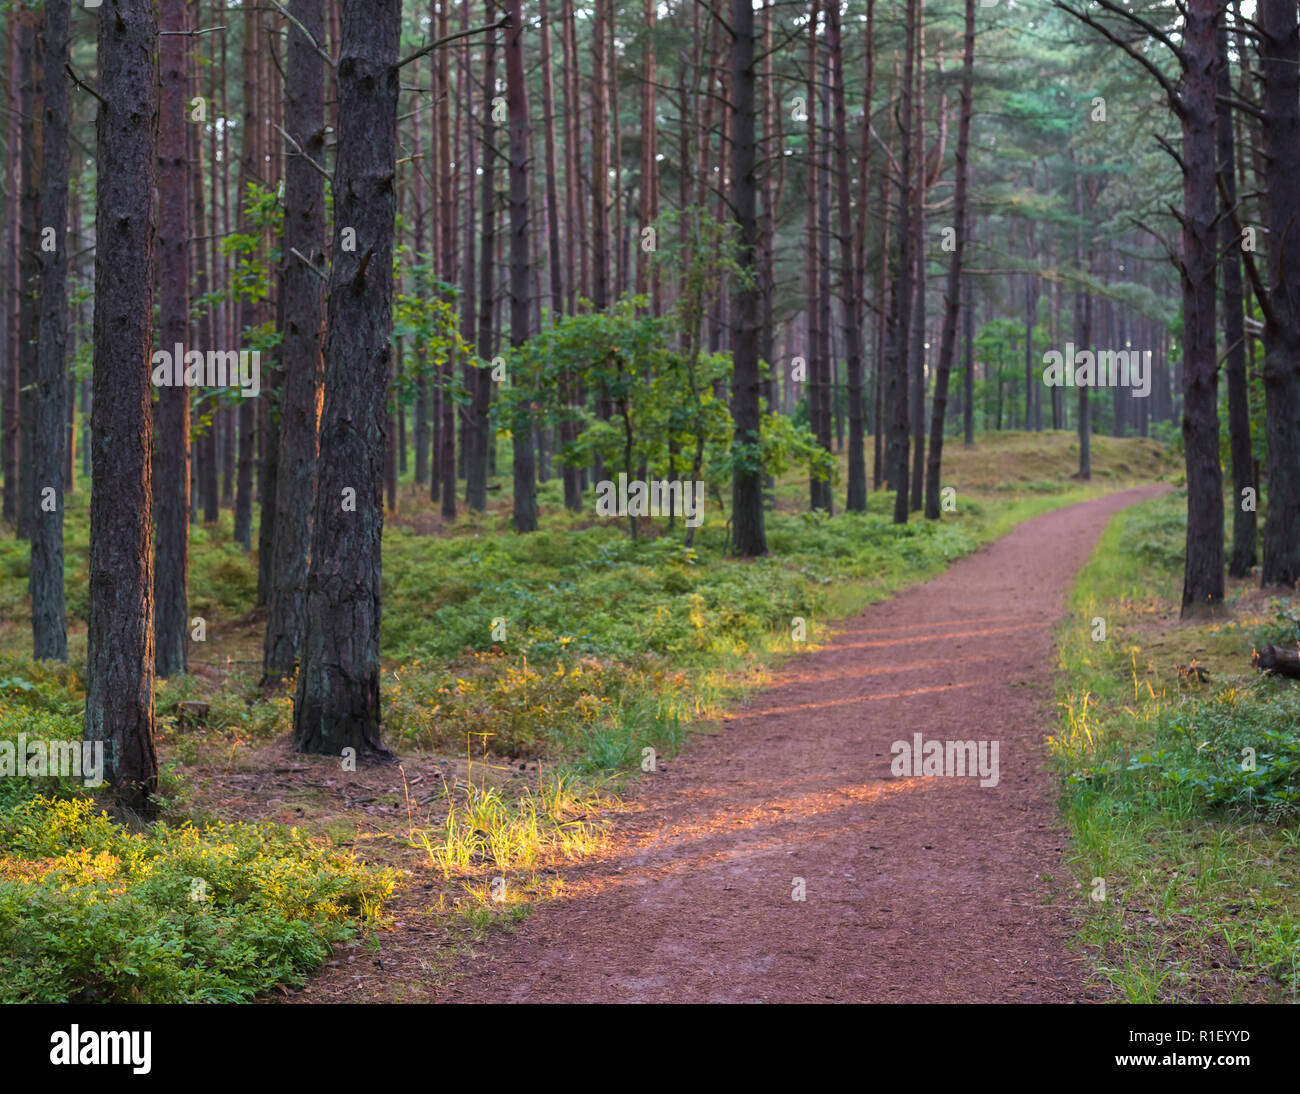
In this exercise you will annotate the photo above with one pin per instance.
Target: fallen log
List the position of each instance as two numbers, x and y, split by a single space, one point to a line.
1278 659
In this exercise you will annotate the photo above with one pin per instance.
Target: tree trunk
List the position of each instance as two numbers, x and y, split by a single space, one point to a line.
172 415
901 305
1280 64
32 66
272 381
476 465
918 318
599 159
301 292
119 657
1083 331
816 488
952 304
472 376
337 704
747 531
250 163
447 248
1234 330
856 500
1203 572
49 630
9 296
521 427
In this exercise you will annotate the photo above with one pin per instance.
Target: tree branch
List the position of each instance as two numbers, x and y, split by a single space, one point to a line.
299 150
501 24
1175 100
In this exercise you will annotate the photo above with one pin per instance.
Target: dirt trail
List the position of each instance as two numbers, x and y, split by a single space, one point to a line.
917 889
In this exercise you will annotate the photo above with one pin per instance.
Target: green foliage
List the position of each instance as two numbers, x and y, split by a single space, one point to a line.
1202 746
1181 795
1284 629
91 912
664 407
255 262
1156 535
426 328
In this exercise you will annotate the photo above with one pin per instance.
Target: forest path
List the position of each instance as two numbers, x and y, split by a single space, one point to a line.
917 889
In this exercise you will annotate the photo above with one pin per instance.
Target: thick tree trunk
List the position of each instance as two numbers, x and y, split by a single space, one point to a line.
337 705
1203 571
302 296
1280 64
119 658
49 630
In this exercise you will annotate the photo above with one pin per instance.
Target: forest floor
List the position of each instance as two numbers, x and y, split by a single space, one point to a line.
913 889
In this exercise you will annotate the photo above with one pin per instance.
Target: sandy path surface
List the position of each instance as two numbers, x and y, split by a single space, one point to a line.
916 889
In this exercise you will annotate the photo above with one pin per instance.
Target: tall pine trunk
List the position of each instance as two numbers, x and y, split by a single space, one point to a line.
49 630
1280 64
337 704
29 234
119 657
302 296
524 465
1203 571
849 280
899 328
952 303
476 464
747 532
172 414
1242 558
250 169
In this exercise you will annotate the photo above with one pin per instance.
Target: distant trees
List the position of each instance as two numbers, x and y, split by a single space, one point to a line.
723 270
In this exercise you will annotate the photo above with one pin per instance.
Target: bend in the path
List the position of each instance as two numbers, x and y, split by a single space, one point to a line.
915 889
